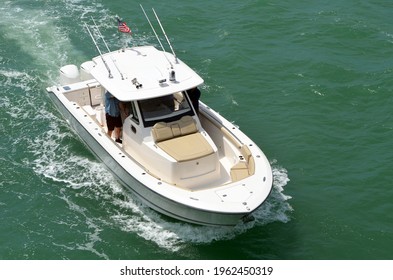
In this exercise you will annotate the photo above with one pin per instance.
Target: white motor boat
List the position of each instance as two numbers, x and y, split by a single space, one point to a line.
185 162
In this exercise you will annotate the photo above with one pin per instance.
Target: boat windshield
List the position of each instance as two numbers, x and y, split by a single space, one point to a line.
165 108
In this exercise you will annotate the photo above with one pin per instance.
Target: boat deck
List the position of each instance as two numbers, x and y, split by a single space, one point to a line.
97 114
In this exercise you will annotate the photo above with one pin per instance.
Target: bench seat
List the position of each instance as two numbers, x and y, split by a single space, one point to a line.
181 139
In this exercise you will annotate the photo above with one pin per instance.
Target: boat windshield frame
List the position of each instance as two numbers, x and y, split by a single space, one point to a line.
166 108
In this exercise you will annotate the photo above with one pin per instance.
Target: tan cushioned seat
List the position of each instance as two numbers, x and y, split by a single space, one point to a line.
188 147
239 171
187 125
245 168
181 139
162 131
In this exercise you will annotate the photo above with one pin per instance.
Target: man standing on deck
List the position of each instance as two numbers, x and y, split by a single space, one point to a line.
112 114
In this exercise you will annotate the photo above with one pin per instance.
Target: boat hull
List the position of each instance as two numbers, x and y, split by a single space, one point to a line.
144 193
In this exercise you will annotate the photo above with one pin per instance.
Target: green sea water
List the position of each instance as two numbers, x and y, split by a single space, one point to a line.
309 81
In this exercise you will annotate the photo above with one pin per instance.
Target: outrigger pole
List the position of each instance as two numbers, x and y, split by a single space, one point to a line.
106 45
99 51
172 76
155 33
166 37
100 34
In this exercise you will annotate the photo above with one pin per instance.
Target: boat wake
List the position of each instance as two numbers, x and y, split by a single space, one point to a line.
89 179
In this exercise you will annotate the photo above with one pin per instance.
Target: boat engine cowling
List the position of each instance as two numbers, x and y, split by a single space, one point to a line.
86 67
69 74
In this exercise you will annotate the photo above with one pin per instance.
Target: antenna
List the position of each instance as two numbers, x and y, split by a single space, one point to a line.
106 45
99 51
166 37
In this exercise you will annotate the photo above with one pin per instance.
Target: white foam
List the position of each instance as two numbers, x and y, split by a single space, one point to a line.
55 161
16 79
40 34
92 233
276 207
37 35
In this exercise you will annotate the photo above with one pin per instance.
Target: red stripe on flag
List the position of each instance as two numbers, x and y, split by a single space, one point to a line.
123 27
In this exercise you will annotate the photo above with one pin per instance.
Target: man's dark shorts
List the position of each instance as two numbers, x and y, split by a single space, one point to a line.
113 122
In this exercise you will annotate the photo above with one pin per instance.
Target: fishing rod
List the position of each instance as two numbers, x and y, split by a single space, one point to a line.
166 37
155 33
106 45
99 51
100 34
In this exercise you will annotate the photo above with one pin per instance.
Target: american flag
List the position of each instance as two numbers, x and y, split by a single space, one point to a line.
122 26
